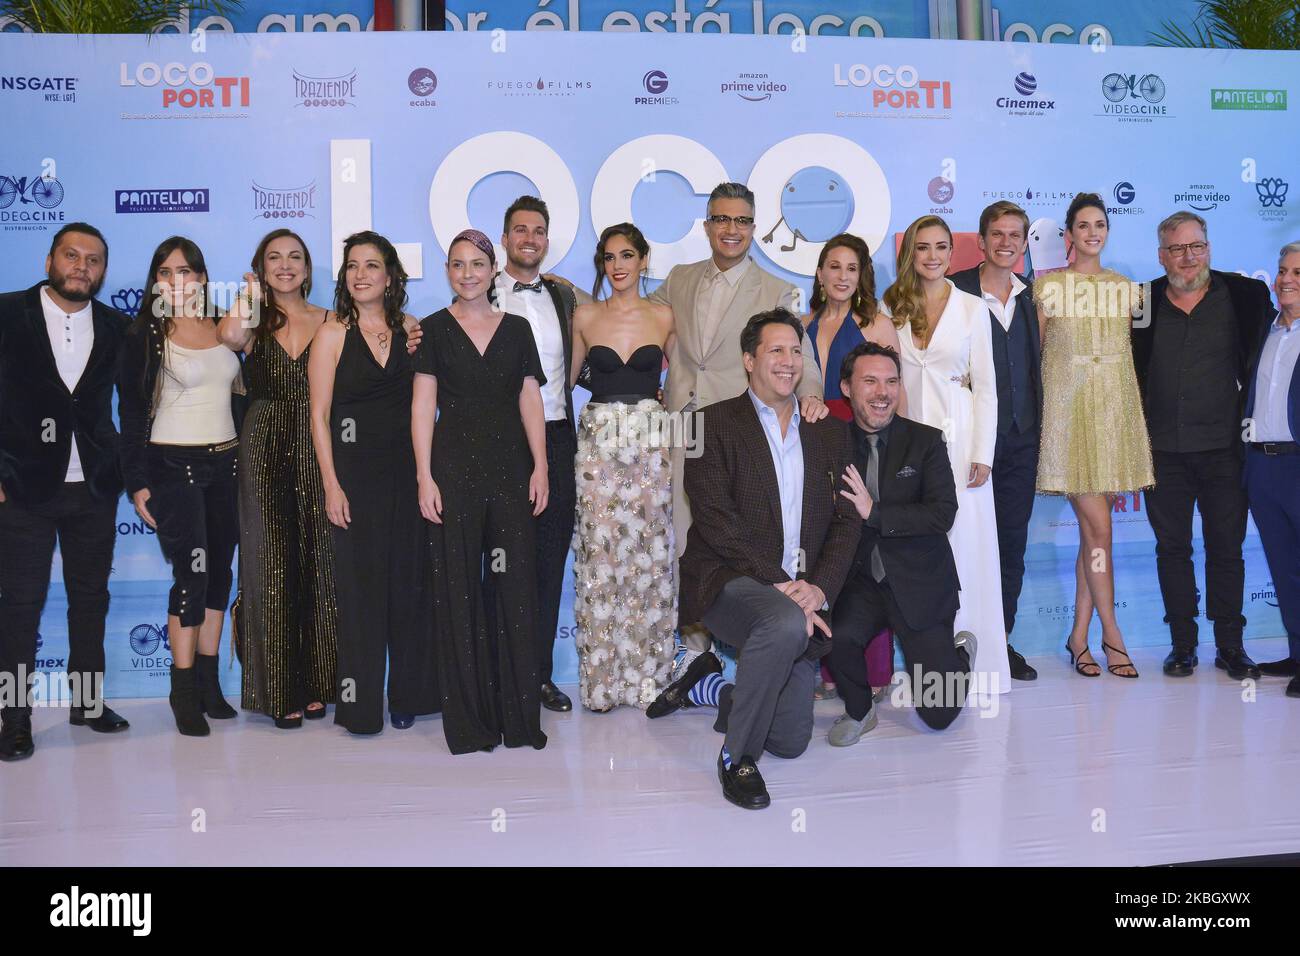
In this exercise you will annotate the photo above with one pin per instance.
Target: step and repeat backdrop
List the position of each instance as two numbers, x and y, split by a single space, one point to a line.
224 137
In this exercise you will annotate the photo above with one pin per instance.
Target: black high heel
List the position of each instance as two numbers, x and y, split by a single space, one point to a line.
1079 667
318 714
1111 667
288 723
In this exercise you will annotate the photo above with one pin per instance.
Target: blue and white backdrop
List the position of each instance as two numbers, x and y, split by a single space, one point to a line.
222 138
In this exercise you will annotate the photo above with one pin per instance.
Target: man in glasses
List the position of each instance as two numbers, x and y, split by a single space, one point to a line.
1191 358
712 301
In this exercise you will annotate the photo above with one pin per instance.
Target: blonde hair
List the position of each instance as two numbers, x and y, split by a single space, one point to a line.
904 298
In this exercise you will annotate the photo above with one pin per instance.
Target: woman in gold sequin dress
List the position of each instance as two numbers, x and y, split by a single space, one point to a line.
1094 442
625 600
286 562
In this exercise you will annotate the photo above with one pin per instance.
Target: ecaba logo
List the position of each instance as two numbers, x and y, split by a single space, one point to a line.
162 200
37 200
1134 96
422 81
896 90
941 191
655 83
127 301
1026 85
193 86
292 203
53 89
325 91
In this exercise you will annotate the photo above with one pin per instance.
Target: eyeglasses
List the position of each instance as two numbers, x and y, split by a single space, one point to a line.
742 222
1195 248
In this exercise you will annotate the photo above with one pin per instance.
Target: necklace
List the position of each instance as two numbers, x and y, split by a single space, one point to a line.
381 336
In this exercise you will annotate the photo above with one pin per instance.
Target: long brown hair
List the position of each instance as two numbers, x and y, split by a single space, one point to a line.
394 293
149 304
863 302
904 298
274 317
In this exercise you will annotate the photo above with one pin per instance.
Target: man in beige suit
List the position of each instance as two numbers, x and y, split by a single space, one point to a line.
711 302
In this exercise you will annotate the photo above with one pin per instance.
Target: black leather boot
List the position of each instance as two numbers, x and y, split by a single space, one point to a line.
211 700
185 703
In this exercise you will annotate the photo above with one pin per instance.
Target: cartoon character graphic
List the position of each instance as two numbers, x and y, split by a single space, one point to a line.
1046 251
815 205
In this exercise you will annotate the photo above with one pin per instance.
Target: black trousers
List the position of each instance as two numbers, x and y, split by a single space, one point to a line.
863 609
85 528
193 496
554 528
1015 470
1212 481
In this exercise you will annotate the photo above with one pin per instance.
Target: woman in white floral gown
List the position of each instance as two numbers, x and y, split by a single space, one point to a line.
625 601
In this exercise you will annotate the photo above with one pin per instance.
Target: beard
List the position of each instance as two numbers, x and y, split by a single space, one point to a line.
1198 281
59 284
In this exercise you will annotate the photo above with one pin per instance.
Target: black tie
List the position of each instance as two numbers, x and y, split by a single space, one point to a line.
535 286
873 488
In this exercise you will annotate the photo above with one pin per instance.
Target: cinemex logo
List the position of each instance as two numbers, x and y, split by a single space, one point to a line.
1124 195
1201 197
1271 193
1240 99
754 87
127 301
48 663
655 83
162 200
897 91
539 87
422 81
1025 103
292 203
941 191
193 86
52 89
329 92
1133 96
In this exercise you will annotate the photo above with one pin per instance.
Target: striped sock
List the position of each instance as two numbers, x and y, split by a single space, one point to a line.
705 693
726 759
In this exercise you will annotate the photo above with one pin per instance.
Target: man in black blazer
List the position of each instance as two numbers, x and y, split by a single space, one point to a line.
1191 360
1004 234
548 306
769 545
903 575
59 475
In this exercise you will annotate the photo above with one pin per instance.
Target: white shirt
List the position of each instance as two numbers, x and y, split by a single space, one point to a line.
787 459
1279 361
539 309
1004 313
717 290
194 403
72 335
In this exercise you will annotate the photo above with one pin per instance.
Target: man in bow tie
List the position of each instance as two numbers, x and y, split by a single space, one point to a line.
548 307
904 577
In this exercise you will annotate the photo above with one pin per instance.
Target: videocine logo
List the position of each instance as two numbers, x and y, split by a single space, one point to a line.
162 200
655 83
74 908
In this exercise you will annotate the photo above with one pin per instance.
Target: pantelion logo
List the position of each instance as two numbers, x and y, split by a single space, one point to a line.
329 92
162 200
1243 99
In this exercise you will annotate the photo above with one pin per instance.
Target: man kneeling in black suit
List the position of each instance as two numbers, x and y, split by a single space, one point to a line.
903 576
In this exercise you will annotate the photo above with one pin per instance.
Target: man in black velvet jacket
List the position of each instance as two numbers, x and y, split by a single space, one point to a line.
59 476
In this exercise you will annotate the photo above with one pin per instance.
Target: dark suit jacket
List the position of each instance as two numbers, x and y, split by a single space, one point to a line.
736 507
32 396
1293 392
1252 308
968 280
910 522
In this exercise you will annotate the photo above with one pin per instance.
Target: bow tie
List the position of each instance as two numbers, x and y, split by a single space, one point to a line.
535 286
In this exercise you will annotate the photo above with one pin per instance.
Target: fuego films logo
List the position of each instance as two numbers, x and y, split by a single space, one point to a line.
655 84
542 86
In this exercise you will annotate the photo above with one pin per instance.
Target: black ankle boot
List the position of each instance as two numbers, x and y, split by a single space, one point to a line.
211 700
185 703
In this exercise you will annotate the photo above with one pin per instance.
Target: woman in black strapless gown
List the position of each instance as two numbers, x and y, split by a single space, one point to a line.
625 602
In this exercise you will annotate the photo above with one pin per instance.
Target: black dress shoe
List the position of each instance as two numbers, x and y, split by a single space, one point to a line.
555 699
16 738
1286 667
1292 689
1020 668
399 720
674 698
1180 663
108 721
743 784
1237 663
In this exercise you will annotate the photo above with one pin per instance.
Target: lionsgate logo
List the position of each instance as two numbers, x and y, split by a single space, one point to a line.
1025 102
51 89
655 84
294 203
329 92
542 86
162 200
